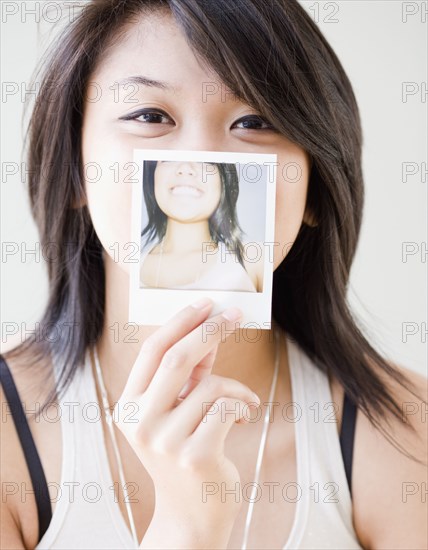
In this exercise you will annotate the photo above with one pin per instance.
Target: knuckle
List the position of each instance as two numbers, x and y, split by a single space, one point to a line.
223 401
140 435
230 404
193 460
174 358
213 384
150 346
138 431
162 446
236 389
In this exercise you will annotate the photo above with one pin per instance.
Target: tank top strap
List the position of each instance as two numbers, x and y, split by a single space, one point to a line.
68 417
325 456
302 442
31 455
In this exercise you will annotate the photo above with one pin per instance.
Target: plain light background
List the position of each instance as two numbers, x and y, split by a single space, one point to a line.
382 46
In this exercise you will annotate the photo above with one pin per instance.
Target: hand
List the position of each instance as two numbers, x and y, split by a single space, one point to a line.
180 441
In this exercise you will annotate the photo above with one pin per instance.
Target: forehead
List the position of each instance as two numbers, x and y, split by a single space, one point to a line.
154 46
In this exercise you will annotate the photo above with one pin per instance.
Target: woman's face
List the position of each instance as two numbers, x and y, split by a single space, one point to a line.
175 103
187 191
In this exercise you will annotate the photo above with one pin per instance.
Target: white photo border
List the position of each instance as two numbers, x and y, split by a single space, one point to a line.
152 306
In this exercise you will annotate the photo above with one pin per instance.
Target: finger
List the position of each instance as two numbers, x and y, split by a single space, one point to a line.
155 346
201 371
212 431
186 417
181 358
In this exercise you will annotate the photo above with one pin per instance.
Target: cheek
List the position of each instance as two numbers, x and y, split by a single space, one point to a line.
215 188
159 194
291 192
162 179
108 184
216 193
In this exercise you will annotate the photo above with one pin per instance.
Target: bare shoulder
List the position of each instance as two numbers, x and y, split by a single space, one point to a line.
389 488
18 506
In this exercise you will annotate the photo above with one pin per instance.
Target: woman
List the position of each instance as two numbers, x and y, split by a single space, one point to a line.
192 214
188 471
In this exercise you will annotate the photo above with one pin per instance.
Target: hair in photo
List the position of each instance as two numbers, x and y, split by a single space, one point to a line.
223 222
293 78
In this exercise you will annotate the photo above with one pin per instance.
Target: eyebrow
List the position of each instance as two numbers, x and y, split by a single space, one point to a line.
146 82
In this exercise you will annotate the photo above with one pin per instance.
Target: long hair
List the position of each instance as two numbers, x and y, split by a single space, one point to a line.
272 56
223 223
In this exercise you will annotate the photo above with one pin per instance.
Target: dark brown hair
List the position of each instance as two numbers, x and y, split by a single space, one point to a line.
272 56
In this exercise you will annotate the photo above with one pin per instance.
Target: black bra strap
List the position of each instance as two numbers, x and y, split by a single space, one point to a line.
38 480
347 433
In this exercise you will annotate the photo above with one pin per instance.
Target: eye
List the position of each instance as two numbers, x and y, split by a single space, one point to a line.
254 123
150 116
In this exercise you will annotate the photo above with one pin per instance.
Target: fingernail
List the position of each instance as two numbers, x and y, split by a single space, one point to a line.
232 314
202 303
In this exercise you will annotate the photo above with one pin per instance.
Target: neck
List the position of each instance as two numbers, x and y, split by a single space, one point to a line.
248 355
182 237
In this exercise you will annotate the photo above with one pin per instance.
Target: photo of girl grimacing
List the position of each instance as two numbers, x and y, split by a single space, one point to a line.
207 432
192 215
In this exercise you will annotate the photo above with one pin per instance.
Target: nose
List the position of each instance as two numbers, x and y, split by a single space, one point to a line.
186 168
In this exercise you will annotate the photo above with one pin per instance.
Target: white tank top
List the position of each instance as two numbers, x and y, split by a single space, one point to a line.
89 517
226 274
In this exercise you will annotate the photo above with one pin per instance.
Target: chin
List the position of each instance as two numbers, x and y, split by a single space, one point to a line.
190 217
